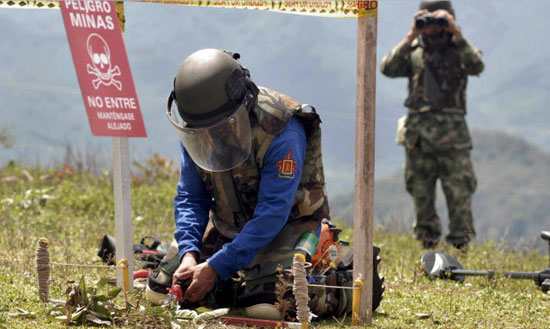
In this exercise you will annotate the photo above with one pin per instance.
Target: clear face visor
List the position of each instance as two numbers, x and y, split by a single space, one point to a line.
220 147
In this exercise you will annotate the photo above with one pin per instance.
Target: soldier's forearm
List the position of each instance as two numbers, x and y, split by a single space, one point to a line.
471 57
395 63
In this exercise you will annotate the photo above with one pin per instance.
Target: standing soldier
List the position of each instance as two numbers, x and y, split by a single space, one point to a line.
437 59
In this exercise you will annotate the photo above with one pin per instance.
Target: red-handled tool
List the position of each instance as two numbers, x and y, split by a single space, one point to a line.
178 289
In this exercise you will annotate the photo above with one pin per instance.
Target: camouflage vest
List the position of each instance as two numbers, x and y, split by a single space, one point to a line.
235 192
438 81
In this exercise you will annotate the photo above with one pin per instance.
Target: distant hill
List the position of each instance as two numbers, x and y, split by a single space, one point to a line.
40 96
511 203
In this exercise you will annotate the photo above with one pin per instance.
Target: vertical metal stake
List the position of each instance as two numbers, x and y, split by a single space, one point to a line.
123 208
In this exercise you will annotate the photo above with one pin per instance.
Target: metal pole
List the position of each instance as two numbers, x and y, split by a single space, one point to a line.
364 159
123 208
123 197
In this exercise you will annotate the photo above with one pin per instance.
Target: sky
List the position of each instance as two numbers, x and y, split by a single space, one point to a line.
312 59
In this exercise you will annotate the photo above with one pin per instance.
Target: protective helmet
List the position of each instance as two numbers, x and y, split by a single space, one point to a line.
213 94
433 5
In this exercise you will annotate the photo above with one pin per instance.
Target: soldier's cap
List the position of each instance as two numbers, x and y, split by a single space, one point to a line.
433 5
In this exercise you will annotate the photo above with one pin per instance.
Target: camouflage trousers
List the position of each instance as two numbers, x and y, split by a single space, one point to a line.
278 253
266 281
455 171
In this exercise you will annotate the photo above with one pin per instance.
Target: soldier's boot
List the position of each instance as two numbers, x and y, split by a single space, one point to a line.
460 238
160 280
461 245
268 298
428 232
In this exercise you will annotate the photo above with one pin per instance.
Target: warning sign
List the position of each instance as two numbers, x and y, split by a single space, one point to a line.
102 68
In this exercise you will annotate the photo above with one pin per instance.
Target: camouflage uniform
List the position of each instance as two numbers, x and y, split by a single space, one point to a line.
437 140
235 194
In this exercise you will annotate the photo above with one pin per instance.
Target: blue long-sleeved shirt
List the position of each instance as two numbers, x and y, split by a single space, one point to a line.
275 197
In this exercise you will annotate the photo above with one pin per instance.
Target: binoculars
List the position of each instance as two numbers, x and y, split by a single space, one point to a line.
429 19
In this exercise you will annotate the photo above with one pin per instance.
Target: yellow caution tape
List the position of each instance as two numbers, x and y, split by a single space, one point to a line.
119 5
30 4
311 8
343 9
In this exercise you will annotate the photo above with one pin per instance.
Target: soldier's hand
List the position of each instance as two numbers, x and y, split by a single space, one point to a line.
187 262
452 27
414 32
202 277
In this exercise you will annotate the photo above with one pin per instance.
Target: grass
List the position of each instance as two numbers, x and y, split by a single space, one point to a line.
75 209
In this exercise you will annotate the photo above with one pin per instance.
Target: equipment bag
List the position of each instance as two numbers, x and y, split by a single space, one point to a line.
149 254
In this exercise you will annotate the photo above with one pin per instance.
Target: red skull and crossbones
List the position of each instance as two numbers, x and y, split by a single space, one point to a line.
99 53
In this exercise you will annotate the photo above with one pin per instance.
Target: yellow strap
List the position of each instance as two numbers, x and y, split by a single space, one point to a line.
263 150
358 283
125 276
